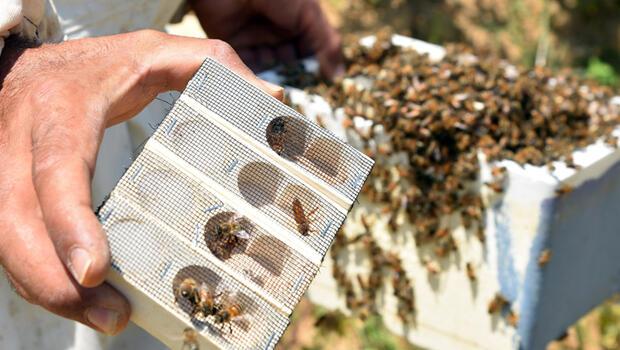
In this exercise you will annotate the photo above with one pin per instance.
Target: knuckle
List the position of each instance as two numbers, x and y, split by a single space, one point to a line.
62 300
149 35
221 49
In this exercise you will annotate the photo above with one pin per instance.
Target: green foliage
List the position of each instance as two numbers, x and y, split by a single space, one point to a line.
375 336
602 72
609 319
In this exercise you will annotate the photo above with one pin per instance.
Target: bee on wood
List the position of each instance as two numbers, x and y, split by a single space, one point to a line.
303 221
276 133
513 318
496 186
188 290
226 313
471 272
206 305
498 303
498 171
563 189
544 257
431 266
190 339
480 234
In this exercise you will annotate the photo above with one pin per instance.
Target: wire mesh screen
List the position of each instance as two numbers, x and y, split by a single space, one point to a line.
188 208
228 217
148 256
248 175
313 148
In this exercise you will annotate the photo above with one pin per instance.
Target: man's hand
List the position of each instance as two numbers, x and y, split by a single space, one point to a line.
55 102
270 32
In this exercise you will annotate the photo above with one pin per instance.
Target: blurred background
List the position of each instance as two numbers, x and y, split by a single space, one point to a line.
580 35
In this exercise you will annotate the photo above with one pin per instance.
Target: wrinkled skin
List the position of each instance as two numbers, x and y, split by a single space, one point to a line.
57 100
55 103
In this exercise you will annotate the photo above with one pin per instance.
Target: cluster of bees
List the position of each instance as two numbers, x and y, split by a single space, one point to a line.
381 264
499 305
206 303
440 115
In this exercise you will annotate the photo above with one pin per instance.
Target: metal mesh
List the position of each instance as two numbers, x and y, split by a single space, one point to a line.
163 216
192 211
149 257
313 148
248 175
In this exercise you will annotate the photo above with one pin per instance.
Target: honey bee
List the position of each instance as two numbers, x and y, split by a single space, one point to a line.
190 339
230 230
226 313
188 290
471 272
498 171
544 257
276 134
496 186
563 189
303 221
431 266
497 304
480 234
206 305
512 318
228 235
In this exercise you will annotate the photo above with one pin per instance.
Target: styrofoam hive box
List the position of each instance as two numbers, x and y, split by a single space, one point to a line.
581 229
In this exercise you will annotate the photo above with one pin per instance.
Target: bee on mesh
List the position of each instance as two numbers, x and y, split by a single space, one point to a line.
302 219
228 235
276 134
207 304
227 312
201 297
188 290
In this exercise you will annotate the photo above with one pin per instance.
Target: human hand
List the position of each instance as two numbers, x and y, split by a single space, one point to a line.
55 102
269 32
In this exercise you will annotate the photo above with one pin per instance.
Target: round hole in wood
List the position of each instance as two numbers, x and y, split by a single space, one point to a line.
259 183
287 136
224 249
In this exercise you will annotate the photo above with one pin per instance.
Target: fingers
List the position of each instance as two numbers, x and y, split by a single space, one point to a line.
307 22
32 265
64 146
320 37
42 280
179 58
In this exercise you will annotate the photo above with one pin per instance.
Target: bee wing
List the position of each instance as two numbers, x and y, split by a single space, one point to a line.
243 234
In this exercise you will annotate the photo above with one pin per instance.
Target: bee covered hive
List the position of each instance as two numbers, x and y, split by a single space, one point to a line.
490 219
219 226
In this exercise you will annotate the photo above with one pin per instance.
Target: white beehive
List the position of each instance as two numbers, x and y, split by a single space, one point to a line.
580 228
210 160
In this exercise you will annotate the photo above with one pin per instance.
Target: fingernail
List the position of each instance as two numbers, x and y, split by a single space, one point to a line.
79 263
104 319
275 89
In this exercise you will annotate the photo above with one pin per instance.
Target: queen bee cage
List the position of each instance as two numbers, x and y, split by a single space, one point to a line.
241 196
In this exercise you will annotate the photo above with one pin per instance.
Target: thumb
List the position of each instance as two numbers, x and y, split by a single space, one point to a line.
176 61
